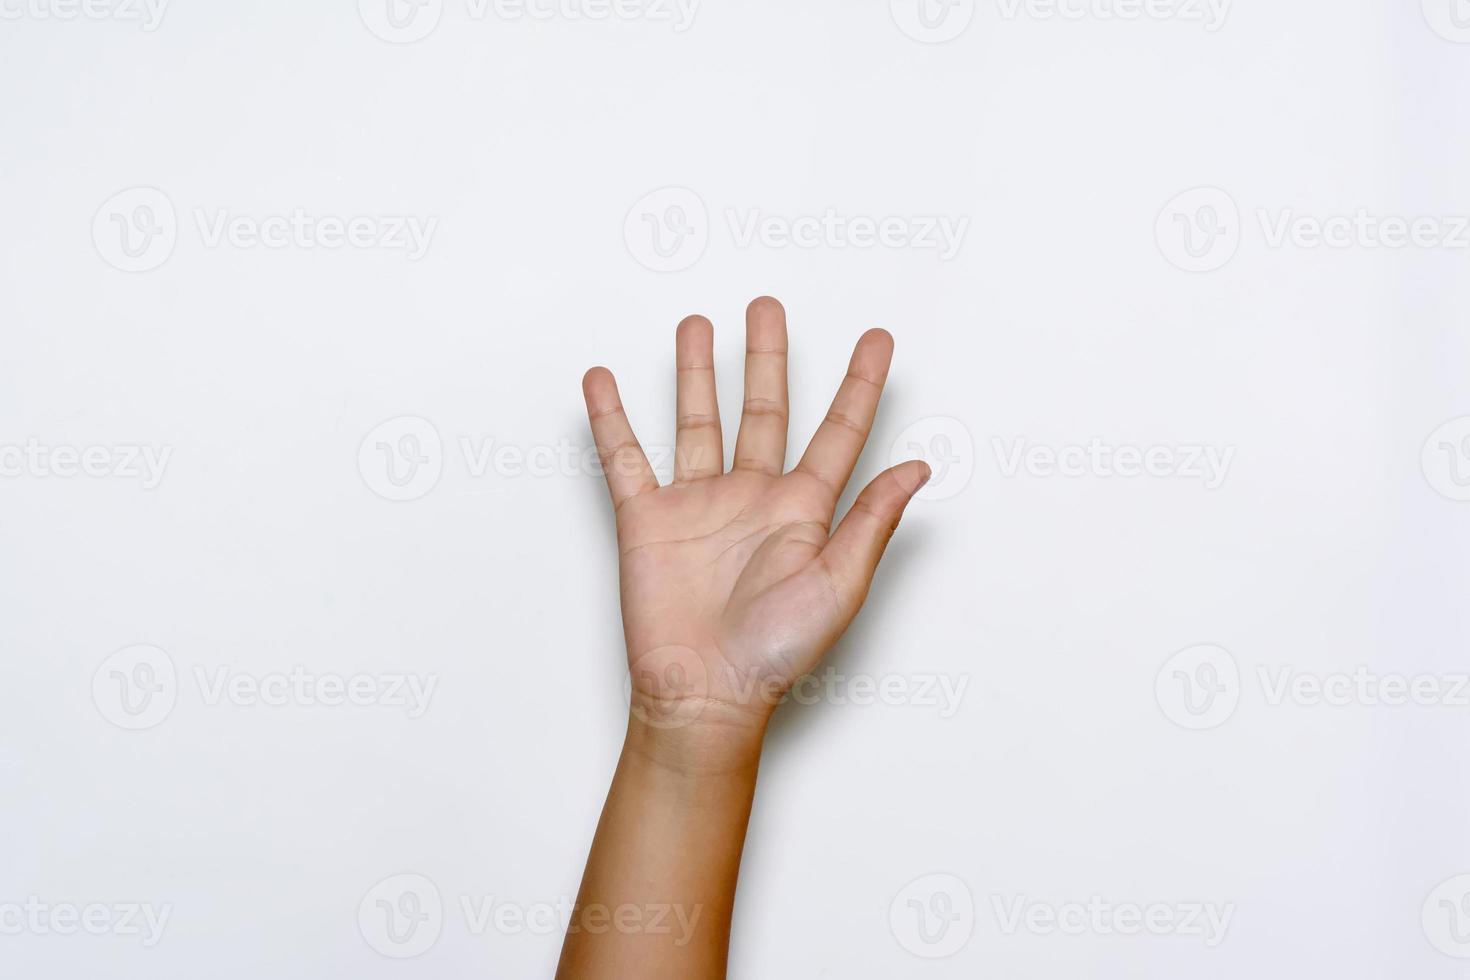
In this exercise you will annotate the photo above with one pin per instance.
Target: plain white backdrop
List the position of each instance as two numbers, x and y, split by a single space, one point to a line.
311 647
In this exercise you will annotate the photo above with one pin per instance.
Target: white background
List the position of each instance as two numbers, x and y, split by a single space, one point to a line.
1057 599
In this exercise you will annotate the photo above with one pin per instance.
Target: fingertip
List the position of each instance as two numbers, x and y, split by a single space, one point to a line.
600 391
695 325
765 307
912 476
872 355
596 378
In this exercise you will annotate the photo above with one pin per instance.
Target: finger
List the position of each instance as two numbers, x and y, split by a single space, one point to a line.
698 451
839 440
761 444
623 463
852 555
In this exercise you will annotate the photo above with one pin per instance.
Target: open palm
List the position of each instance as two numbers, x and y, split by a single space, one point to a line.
733 583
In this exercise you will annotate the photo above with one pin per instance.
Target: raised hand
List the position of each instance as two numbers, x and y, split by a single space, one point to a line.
733 582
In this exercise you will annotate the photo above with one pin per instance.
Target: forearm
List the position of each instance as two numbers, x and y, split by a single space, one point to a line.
659 888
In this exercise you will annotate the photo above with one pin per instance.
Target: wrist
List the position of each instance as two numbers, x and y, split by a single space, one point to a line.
705 739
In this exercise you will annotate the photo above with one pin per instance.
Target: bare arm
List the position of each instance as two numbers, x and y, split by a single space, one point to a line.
734 585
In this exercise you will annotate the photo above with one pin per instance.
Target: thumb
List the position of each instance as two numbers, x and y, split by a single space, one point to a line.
852 554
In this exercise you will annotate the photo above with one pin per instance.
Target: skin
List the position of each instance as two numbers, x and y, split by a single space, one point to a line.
734 585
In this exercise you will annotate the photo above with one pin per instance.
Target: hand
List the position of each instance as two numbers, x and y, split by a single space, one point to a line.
733 583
